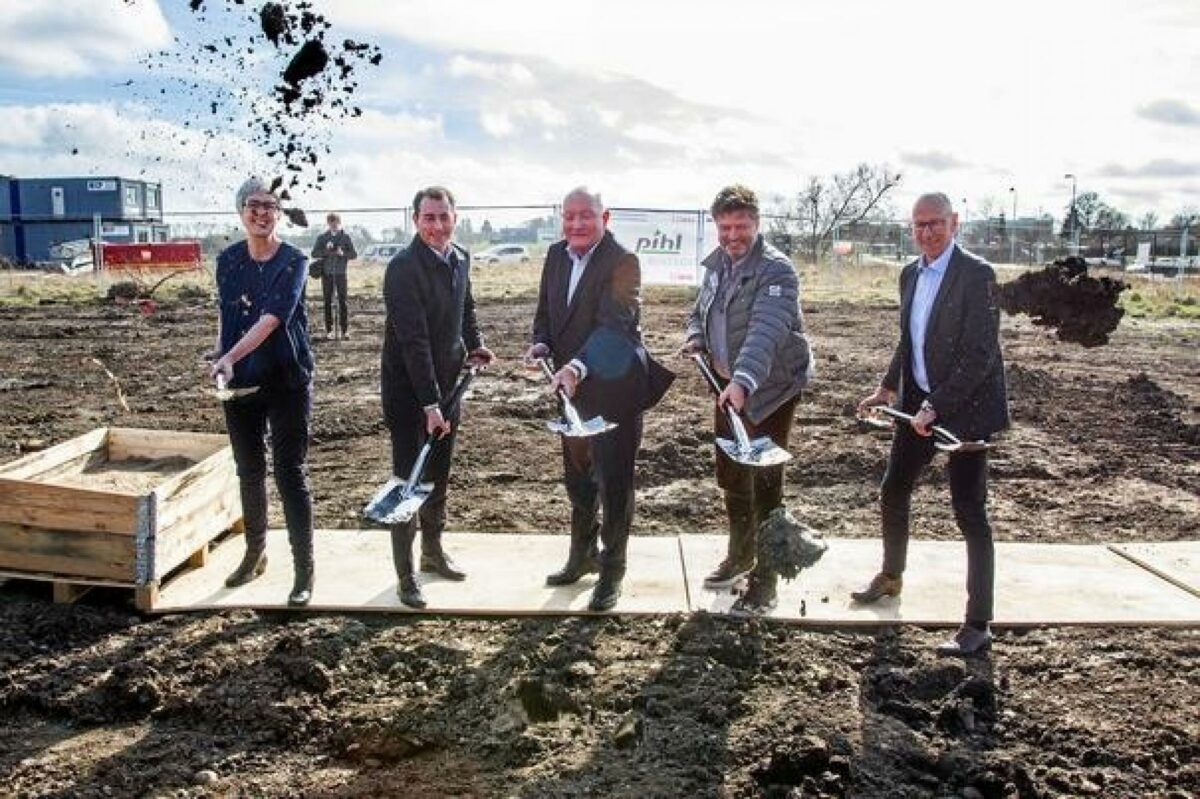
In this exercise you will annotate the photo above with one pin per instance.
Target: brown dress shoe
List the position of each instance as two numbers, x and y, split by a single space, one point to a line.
968 641
881 585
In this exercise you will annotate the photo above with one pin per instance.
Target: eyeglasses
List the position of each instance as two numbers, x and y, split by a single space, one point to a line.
932 226
256 205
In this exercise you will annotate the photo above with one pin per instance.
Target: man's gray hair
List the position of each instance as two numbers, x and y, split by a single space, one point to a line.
583 192
936 198
253 185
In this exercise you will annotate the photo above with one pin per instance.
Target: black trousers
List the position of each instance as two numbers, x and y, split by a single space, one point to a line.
331 285
407 427
910 455
286 413
598 474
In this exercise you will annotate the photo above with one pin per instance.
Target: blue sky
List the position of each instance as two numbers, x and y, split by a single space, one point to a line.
653 103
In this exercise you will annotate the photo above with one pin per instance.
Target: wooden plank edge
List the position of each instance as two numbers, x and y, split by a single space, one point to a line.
1157 572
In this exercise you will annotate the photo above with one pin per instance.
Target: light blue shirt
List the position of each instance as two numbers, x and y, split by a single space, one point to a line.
578 264
929 280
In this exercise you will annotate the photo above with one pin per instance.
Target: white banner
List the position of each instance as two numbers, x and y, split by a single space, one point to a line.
665 243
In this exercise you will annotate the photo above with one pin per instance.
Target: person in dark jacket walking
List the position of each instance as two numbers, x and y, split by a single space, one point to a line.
747 320
262 344
335 250
430 333
946 369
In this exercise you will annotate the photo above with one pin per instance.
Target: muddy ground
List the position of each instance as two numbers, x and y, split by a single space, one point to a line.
98 701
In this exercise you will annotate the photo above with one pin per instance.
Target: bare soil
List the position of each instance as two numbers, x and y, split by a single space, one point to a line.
99 701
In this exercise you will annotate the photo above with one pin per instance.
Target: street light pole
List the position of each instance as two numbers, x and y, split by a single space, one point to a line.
966 219
1074 218
1012 229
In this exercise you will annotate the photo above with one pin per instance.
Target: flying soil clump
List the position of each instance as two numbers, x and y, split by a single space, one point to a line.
1081 309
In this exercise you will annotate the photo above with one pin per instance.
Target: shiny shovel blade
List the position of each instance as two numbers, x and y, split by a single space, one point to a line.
592 427
396 503
761 452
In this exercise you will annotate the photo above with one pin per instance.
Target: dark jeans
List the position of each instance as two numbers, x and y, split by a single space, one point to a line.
598 473
761 486
286 413
968 494
330 285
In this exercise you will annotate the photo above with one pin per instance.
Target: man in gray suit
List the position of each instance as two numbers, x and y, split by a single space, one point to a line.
947 369
747 319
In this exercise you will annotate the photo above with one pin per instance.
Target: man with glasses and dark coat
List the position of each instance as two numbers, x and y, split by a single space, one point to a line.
335 250
947 369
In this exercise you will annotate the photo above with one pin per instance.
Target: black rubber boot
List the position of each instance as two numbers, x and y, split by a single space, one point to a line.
434 558
408 588
254 561
584 556
607 590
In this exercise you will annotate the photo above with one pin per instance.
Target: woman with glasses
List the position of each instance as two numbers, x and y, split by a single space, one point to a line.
263 348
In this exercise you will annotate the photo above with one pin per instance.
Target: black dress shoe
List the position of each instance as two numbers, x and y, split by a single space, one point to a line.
881 585
966 642
573 571
409 591
302 590
253 565
440 563
605 595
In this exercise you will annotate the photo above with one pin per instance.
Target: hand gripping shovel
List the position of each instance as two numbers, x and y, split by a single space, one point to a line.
760 451
224 393
943 438
399 500
571 425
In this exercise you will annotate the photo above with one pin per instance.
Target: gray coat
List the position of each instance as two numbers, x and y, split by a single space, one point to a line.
768 351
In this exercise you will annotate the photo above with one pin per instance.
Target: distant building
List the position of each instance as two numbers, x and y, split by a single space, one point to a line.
38 213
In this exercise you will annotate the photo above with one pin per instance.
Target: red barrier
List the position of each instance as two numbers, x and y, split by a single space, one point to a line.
156 256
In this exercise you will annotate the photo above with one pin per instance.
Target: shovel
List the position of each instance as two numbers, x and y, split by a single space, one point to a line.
943 438
571 425
761 451
224 393
399 500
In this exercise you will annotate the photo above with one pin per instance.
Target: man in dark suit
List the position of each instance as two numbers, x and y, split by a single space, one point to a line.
335 250
947 370
430 332
587 322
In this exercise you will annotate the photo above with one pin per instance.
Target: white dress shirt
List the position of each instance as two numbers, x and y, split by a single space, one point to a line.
929 280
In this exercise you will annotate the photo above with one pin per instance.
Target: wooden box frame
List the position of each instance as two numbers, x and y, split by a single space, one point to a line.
82 536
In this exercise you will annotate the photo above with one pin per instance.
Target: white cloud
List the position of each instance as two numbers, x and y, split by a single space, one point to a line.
74 37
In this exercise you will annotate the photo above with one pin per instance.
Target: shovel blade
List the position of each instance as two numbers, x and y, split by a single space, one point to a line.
761 452
397 502
592 427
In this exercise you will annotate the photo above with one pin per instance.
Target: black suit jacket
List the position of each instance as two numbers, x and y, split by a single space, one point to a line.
962 349
601 328
430 326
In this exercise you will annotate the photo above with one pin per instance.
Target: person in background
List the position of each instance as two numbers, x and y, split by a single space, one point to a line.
263 344
335 250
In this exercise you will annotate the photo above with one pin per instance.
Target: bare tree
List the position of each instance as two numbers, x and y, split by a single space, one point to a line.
1148 221
1186 217
827 204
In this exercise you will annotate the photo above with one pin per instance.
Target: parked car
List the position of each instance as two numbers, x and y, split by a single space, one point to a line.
379 253
503 254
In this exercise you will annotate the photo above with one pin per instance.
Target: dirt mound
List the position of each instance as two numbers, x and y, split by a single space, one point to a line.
1081 309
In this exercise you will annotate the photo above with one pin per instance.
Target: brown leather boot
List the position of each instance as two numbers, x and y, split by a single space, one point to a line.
408 588
739 558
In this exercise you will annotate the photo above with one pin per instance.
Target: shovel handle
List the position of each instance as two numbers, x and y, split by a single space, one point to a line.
705 370
735 421
947 440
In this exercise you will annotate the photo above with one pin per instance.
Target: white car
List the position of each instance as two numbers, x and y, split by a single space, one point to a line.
380 253
503 254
